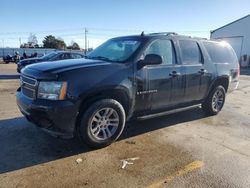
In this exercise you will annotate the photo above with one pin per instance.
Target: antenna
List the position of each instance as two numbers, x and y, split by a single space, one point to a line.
86 41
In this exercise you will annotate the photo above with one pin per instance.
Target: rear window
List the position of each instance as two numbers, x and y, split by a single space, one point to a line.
220 52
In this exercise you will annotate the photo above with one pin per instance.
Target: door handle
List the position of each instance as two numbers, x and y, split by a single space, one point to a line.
174 74
202 71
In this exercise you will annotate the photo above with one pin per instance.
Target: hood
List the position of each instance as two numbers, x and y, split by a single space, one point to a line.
65 65
30 61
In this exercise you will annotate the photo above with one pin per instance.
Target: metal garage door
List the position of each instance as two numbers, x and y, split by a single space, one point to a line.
236 43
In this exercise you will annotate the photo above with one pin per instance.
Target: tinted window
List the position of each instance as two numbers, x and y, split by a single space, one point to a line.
220 52
76 56
66 56
56 57
50 55
62 56
162 48
190 52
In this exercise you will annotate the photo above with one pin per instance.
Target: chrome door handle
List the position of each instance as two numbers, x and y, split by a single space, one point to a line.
202 71
174 74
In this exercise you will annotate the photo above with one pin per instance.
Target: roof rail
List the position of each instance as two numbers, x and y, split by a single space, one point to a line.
164 33
199 38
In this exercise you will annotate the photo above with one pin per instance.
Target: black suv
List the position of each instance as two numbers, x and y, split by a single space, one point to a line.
52 56
127 77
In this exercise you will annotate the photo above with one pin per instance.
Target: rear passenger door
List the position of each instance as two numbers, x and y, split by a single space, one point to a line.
197 77
165 81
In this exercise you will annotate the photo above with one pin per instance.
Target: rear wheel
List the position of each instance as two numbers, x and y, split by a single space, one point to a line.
102 123
215 101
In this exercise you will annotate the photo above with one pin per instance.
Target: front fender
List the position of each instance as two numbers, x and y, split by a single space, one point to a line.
120 93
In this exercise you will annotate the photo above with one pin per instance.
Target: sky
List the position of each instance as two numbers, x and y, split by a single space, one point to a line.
105 19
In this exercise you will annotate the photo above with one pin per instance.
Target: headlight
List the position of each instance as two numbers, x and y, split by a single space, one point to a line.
52 90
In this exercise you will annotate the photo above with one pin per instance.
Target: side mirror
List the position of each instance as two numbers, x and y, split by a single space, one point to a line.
151 59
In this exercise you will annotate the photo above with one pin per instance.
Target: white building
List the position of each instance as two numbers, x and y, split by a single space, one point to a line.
237 34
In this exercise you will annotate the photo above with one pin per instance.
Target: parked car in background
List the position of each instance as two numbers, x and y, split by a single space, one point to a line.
141 76
9 58
52 56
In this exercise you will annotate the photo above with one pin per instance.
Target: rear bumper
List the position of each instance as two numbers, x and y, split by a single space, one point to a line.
58 118
233 85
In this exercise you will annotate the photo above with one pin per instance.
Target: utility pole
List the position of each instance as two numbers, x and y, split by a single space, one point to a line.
85 31
3 46
20 41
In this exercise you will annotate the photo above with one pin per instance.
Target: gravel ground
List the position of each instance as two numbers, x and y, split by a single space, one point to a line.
7 68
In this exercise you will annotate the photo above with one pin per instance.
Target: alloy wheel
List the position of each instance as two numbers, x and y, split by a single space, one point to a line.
104 123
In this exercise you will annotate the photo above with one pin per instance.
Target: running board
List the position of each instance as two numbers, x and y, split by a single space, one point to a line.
168 112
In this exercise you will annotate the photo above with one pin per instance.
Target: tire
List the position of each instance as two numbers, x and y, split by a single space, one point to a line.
95 127
215 101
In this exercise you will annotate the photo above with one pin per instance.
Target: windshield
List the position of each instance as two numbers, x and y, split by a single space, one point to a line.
115 50
49 55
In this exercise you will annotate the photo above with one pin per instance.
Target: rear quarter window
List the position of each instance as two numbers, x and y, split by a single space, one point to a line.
220 53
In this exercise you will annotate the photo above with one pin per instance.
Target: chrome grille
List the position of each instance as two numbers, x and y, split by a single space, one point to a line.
28 80
28 86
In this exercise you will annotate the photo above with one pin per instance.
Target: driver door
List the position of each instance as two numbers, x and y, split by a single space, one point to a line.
164 83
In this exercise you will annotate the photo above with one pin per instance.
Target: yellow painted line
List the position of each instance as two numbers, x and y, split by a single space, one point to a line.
188 168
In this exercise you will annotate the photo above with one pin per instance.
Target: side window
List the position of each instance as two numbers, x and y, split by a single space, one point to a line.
73 56
190 52
164 49
66 56
220 53
76 56
60 57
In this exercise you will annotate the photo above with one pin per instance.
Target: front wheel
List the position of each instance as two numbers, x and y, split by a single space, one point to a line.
215 101
102 123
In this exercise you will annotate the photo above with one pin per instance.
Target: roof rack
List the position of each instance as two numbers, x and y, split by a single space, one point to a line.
164 33
199 38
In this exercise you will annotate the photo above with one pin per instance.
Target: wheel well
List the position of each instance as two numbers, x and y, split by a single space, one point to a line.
224 81
117 95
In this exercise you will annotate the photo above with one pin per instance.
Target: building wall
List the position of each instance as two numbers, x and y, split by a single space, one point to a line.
235 32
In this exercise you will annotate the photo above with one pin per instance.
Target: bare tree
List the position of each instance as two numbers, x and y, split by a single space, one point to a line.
74 46
32 40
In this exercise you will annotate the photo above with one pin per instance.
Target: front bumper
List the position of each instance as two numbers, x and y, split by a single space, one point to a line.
58 118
